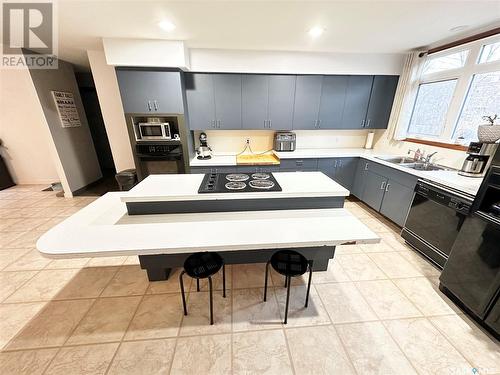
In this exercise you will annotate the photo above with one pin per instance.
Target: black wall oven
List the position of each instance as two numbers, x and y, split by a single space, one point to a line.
435 218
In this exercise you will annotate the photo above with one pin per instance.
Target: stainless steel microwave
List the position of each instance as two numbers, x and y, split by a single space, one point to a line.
154 131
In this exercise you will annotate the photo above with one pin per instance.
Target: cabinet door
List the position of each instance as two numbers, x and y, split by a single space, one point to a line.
145 92
200 101
381 99
299 164
397 201
227 90
356 102
307 100
281 98
328 166
374 190
333 94
358 187
344 173
254 101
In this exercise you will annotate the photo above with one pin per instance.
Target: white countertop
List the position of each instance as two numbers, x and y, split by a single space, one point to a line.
447 178
104 228
182 187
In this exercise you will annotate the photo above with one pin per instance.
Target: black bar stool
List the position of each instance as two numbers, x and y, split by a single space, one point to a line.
203 266
290 264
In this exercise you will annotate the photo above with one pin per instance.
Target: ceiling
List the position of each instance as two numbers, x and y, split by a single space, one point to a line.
350 26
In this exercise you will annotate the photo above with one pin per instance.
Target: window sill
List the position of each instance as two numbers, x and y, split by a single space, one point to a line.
450 146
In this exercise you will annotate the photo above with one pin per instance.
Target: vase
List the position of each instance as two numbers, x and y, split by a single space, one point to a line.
488 133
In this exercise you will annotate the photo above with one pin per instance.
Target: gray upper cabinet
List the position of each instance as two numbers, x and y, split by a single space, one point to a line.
281 101
150 91
356 102
307 101
227 91
255 101
381 99
333 93
200 101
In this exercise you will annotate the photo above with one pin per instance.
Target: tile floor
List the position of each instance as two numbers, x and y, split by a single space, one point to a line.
377 310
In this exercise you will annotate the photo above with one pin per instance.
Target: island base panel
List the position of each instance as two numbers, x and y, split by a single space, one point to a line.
158 266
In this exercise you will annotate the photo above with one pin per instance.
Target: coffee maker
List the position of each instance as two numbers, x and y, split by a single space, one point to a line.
203 151
478 159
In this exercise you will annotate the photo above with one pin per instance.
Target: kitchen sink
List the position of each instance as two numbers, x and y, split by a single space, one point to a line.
397 159
426 167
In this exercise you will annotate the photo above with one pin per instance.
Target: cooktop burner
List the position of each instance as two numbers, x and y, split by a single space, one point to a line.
238 183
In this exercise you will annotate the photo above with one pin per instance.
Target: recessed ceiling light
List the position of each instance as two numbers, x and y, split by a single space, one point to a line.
316 31
458 28
166 25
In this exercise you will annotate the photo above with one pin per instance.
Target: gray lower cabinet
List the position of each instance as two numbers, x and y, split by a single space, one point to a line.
396 202
373 193
381 99
307 102
214 169
356 102
359 183
150 91
298 165
342 170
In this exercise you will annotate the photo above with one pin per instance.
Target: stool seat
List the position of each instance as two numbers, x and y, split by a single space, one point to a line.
289 263
203 265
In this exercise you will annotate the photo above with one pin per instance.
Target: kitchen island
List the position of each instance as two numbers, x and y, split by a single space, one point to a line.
163 240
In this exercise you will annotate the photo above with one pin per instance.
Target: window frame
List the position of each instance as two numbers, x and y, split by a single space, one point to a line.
463 75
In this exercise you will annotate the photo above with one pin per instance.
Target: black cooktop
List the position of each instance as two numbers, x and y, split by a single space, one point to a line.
238 183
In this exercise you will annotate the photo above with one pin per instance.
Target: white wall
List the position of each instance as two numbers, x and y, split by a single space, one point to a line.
108 93
29 154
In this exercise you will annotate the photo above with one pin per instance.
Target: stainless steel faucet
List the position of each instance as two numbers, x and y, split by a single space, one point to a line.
428 157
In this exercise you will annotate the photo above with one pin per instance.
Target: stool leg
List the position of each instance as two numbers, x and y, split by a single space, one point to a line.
197 285
288 280
309 282
265 282
211 302
224 280
181 281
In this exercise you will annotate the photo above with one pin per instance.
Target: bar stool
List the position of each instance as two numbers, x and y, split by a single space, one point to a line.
290 264
203 265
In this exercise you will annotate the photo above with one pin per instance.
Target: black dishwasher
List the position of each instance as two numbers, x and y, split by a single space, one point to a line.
436 215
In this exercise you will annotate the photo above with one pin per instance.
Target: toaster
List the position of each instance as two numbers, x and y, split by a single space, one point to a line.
284 141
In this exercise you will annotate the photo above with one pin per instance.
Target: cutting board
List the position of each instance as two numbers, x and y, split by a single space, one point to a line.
261 159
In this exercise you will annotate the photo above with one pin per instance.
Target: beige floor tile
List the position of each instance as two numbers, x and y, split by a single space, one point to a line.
372 350
261 352
387 300
8 256
250 312
26 225
394 265
87 283
8 221
8 237
49 224
426 296
44 286
83 360
158 316
105 261
171 285
426 348
128 281
203 355
344 303
348 249
334 274
32 260
420 263
52 326
377 225
249 275
11 281
131 260
279 280
360 267
381 247
13 317
480 350
106 321
298 315
216 281
197 322
317 350
25 240
143 357
395 241
67 263
30 362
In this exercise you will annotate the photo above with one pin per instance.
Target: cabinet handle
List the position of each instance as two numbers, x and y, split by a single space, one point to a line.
336 162
363 123
212 123
265 123
387 187
366 166
270 124
218 123
149 105
156 105
319 124
340 163
368 123
382 185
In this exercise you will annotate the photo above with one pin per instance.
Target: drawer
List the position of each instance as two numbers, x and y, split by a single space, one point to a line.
299 164
258 168
215 169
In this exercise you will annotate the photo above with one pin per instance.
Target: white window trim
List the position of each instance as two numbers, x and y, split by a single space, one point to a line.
463 76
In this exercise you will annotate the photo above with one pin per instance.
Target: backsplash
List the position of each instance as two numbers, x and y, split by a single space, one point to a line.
233 141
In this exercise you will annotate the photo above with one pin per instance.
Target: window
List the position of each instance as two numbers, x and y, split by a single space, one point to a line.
455 89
